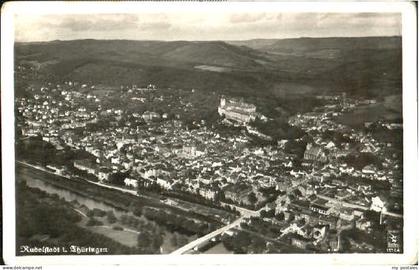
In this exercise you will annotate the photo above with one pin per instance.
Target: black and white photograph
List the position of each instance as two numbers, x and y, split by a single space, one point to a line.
251 130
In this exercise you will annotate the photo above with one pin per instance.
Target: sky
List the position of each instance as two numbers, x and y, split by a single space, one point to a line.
204 26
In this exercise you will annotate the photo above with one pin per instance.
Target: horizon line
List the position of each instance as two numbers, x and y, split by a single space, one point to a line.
204 40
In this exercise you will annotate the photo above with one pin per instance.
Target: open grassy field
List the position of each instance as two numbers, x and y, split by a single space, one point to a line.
388 110
212 68
287 89
126 238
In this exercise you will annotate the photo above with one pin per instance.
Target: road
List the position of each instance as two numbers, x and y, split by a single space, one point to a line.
244 212
80 212
123 229
133 192
241 210
356 206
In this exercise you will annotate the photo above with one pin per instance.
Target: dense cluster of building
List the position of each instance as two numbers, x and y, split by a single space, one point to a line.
330 155
317 198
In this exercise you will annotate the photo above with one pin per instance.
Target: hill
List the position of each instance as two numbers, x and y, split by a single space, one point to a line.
369 66
289 68
321 47
141 52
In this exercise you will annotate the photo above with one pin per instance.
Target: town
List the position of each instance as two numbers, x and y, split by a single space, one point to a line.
336 188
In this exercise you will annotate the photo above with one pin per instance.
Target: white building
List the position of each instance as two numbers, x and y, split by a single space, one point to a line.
237 111
131 182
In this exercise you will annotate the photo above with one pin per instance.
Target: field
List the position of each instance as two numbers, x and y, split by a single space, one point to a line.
218 249
127 238
287 89
212 68
388 110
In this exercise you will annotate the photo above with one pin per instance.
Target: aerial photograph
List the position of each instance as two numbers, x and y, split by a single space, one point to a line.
208 133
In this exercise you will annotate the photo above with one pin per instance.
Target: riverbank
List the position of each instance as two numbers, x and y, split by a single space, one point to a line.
142 210
123 198
48 220
99 218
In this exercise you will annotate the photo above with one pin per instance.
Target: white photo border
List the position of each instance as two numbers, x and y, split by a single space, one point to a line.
410 114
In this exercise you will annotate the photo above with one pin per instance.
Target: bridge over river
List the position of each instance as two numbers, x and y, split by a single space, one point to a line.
245 214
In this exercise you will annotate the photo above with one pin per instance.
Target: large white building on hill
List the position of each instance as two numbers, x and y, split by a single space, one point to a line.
236 110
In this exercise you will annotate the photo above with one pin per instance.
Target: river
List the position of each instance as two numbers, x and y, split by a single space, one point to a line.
42 180
33 178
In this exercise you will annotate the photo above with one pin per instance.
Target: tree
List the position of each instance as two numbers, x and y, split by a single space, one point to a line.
372 216
98 212
93 222
124 219
144 240
132 206
301 222
182 240
137 212
271 248
117 228
242 239
157 241
280 216
252 198
258 245
111 217
174 240
228 242
89 213
219 196
267 214
118 178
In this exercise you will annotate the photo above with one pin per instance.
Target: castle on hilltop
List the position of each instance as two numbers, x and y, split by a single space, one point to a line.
237 110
